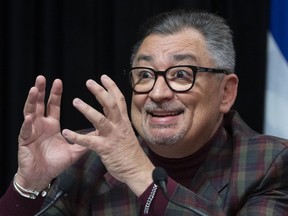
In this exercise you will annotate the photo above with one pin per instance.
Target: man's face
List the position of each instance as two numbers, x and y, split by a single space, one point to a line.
177 124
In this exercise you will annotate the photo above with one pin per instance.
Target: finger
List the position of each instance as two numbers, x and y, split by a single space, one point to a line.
34 104
98 120
31 103
40 84
54 101
85 140
106 99
112 88
26 129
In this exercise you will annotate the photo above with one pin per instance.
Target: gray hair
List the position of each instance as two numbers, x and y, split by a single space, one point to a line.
217 34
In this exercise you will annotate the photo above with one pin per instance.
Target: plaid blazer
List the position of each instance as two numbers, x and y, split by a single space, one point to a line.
245 173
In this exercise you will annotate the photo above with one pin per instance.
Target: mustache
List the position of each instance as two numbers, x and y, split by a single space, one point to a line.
166 106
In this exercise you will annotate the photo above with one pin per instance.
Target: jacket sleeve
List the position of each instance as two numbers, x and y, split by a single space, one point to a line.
11 203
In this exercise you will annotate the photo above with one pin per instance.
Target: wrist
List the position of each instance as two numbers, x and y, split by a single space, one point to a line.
141 181
31 181
29 193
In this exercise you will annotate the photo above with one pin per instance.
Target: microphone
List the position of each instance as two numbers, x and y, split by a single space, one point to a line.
64 186
160 178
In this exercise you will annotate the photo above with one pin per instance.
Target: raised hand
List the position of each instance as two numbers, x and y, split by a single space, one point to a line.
43 152
115 141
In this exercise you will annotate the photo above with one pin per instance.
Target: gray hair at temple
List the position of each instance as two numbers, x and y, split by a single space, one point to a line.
216 32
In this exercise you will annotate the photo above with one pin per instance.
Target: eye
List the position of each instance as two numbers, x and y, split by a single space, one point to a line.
181 73
143 73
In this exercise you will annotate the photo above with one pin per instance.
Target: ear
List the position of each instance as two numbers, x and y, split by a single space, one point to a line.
229 92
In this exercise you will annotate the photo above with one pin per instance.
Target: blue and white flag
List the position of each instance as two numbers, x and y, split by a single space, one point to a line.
276 95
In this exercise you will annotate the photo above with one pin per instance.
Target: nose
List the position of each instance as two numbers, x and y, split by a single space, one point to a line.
161 90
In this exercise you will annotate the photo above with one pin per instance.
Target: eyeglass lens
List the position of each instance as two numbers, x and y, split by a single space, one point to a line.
178 78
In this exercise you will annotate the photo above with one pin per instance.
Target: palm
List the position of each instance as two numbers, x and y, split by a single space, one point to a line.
43 152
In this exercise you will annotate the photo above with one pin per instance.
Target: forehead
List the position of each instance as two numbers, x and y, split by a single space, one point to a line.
188 45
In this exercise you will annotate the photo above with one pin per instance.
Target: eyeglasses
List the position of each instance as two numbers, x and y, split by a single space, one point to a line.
179 78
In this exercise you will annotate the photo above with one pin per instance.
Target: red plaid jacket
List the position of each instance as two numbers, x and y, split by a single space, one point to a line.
245 173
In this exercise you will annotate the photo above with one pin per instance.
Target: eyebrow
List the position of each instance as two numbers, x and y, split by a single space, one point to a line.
181 57
144 58
176 57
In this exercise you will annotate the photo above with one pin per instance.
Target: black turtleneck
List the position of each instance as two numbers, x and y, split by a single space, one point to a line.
182 170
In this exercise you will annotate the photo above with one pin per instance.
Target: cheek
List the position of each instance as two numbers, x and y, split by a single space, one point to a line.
207 94
200 103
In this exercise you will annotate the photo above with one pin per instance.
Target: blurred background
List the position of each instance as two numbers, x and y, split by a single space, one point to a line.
77 40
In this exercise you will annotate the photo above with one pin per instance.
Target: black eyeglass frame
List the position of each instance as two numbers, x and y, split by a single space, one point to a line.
195 70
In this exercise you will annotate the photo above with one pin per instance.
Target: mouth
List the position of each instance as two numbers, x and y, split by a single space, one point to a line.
164 119
163 114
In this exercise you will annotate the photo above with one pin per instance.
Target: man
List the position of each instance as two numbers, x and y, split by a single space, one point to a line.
183 88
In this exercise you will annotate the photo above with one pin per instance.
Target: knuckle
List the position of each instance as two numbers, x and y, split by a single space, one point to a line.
122 99
87 141
101 120
114 105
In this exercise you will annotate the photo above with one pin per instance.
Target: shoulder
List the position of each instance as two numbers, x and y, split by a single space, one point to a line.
259 165
244 136
253 150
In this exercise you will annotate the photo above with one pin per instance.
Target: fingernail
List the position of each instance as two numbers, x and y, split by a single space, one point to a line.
90 82
66 134
104 76
77 101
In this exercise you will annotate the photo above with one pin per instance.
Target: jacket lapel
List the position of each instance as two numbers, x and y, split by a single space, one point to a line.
211 180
